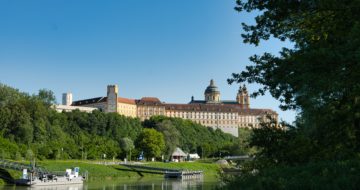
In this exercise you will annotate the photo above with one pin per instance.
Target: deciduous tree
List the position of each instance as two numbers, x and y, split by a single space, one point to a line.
151 142
127 145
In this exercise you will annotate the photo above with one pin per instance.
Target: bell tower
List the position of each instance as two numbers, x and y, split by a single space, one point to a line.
67 99
243 98
112 94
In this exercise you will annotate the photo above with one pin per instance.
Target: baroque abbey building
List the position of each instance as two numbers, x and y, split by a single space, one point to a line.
212 112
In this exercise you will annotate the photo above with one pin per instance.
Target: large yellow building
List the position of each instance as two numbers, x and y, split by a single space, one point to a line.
211 112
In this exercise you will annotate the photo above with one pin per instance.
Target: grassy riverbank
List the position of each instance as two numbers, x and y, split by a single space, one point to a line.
99 172
5 175
95 170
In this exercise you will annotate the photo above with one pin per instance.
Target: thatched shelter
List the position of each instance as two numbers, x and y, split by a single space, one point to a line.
178 155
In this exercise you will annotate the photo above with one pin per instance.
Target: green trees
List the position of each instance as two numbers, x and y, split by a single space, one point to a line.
46 96
318 77
195 138
127 145
319 175
8 149
29 124
171 136
151 142
241 146
101 146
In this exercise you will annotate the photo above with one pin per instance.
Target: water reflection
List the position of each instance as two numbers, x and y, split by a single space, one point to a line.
142 184
56 187
159 184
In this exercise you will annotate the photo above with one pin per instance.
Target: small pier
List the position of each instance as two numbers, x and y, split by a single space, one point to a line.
184 174
168 173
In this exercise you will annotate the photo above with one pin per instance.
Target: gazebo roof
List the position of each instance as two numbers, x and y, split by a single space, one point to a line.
178 152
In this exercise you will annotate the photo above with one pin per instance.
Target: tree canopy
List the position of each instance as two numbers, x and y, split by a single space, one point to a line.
195 138
171 136
28 123
151 142
319 76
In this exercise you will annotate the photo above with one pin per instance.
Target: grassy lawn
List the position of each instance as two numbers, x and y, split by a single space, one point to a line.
114 171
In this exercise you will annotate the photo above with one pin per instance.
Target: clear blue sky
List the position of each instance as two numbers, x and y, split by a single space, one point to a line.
167 49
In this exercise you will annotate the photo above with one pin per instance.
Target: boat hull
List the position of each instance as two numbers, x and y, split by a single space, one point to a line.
59 181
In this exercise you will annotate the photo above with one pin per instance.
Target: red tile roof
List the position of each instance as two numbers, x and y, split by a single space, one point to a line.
126 100
149 101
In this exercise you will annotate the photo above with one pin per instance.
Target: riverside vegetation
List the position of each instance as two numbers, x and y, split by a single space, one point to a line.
318 76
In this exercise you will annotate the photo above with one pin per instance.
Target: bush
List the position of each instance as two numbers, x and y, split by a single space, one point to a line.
315 175
9 150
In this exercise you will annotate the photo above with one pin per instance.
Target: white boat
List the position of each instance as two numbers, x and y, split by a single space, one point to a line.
70 177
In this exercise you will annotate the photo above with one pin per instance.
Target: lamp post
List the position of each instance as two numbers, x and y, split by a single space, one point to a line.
202 152
130 155
82 150
62 153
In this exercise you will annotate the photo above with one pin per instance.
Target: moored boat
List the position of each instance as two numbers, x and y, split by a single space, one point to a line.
45 179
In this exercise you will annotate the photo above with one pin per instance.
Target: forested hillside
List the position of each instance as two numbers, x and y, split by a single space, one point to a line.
193 137
29 128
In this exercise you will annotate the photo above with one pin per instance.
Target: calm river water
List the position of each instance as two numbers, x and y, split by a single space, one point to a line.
141 184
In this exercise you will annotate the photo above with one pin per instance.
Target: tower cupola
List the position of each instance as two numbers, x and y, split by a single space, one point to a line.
243 97
212 94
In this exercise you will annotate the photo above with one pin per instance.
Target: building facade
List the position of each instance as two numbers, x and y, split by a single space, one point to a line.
227 115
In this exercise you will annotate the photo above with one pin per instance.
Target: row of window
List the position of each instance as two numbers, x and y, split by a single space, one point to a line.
150 113
126 107
244 121
215 122
202 115
127 112
150 108
249 119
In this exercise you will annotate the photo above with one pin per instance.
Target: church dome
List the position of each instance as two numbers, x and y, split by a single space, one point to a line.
212 88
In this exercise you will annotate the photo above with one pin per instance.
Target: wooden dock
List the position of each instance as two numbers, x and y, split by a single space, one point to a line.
168 173
184 174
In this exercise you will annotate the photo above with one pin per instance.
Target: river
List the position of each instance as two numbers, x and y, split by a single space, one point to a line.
139 184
